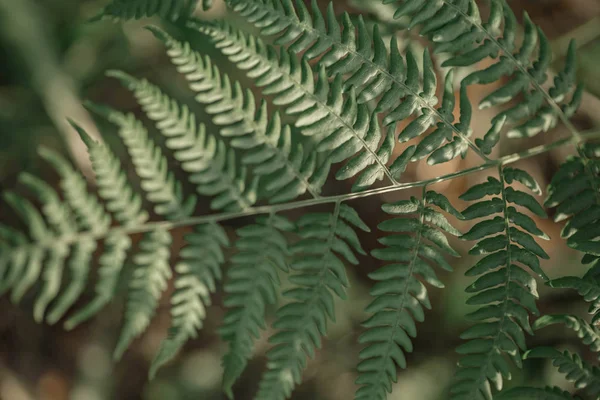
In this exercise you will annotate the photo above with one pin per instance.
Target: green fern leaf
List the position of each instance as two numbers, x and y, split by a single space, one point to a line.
148 282
576 370
399 292
589 289
252 285
318 275
151 166
288 171
456 27
126 206
60 223
91 217
350 50
573 191
211 165
588 334
504 289
26 272
197 275
318 108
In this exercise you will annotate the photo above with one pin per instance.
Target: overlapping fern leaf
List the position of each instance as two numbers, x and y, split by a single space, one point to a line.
253 284
197 275
574 192
288 171
576 370
202 259
27 259
586 332
455 27
416 244
371 71
172 10
318 107
211 164
504 290
318 274
126 207
583 375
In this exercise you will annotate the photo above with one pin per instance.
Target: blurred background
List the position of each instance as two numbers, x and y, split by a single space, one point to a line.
51 58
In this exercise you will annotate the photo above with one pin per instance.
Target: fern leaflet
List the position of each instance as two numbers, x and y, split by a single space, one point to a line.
505 291
318 275
399 294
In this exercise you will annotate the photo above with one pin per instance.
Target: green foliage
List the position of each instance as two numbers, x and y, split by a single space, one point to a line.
253 282
576 370
197 275
574 193
399 294
371 71
332 94
318 274
588 333
318 107
504 290
456 28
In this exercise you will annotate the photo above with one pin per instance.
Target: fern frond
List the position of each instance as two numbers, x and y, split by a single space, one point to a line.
528 393
340 127
575 193
26 259
318 274
456 27
126 206
14 256
151 166
575 369
505 290
146 285
90 213
288 171
400 295
91 217
372 72
589 335
252 285
588 288
25 262
165 192
113 187
60 223
211 166
171 10
197 274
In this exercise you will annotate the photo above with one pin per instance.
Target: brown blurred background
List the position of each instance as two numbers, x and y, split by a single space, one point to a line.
51 59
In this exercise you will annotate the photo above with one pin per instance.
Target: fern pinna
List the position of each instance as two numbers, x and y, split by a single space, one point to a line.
332 99
573 193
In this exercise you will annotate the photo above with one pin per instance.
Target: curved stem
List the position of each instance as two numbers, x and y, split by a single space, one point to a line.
150 226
